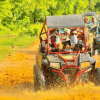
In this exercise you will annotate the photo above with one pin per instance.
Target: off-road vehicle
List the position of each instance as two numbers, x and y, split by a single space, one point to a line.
62 67
96 39
91 21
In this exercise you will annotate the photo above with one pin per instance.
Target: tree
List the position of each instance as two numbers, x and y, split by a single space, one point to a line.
80 6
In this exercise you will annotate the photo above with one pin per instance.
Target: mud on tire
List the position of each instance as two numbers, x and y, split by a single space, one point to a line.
39 80
98 76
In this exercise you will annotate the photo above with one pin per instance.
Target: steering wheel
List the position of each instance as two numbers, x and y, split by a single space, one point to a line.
78 47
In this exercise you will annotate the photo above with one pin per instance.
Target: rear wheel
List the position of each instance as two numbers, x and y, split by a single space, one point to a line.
95 76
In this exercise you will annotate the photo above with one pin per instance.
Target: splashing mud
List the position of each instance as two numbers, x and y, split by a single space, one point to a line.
16 81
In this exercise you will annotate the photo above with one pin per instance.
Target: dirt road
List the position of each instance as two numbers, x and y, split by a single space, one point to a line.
16 80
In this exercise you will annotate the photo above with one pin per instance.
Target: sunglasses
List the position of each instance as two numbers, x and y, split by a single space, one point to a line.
74 34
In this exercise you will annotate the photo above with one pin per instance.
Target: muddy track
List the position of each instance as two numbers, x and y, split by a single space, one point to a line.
16 71
16 80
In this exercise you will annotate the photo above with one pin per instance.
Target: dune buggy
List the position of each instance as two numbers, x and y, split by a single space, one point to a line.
96 39
62 67
91 21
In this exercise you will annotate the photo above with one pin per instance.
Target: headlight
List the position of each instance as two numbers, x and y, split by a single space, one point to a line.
55 65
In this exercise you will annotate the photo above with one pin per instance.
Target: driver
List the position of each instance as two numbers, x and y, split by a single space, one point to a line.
85 57
73 39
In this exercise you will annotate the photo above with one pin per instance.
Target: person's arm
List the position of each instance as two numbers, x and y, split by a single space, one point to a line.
70 47
60 46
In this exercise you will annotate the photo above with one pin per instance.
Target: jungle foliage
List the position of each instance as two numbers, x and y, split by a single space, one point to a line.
25 16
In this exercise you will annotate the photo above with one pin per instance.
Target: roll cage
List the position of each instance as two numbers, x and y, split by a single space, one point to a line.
65 21
89 13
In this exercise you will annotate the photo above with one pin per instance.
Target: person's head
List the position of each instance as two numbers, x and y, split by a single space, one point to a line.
55 31
53 37
73 32
73 36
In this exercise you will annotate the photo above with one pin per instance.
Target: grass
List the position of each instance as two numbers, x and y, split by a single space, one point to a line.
5 51
13 44
17 41
8 45
4 31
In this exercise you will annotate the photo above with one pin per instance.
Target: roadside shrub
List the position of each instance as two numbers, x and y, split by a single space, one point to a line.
32 30
4 31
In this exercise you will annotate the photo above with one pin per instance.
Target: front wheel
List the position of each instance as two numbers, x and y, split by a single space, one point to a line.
98 76
39 80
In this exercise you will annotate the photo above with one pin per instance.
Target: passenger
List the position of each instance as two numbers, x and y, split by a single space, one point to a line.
93 19
85 57
55 41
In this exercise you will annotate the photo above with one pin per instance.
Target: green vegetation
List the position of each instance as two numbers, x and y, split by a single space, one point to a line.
20 39
14 44
24 18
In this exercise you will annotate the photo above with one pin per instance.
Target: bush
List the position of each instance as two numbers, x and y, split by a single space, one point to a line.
32 30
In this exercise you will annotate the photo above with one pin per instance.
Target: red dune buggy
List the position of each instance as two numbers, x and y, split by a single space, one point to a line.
63 66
